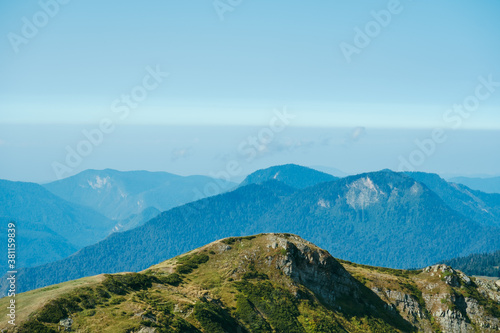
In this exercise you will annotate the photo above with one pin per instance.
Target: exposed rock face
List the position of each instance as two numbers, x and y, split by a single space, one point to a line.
478 315
453 321
451 309
66 324
314 268
449 320
403 303
457 310
451 277
147 330
363 193
437 298
489 289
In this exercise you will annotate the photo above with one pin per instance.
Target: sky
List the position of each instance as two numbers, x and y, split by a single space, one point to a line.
183 86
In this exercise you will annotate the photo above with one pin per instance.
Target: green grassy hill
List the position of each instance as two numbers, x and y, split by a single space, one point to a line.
263 283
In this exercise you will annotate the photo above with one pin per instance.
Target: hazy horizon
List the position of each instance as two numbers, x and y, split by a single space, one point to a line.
181 87
174 149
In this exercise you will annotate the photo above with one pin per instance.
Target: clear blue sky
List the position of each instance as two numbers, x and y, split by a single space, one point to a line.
263 55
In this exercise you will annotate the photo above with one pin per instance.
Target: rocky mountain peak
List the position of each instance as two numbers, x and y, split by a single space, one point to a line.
452 277
311 266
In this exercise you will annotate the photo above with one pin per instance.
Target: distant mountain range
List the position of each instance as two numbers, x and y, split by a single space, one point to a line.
136 220
380 218
289 174
488 185
483 208
57 219
330 170
33 203
36 243
120 194
261 284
